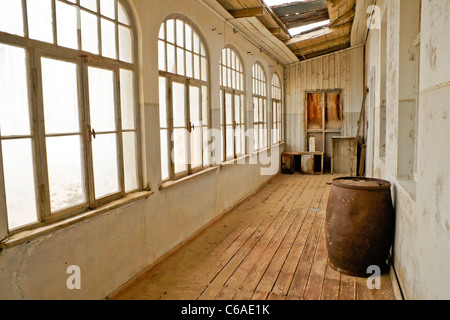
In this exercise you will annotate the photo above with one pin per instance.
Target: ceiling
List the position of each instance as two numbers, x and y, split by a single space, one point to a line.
277 23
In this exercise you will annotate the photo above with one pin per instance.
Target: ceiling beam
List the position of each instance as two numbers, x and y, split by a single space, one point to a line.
327 51
315 34
348 15
332 42
249 12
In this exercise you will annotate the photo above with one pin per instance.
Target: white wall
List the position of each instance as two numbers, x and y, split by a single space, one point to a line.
113 247
422 240
339 70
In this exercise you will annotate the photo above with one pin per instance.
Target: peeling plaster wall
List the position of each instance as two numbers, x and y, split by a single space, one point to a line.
422 242
113 247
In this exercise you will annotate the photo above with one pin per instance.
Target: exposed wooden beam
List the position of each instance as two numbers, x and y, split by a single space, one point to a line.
327 51
249 12
331 42
348 15
318 33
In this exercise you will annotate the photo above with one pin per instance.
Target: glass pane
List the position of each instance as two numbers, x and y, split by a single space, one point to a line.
162 31
109 39
60 95
19 182
228 108
237 109
205 113
171 58
123 17
230 142
188 31
180 61
204 70
196 147
180 33
14 107
179 150
170 25
125 44
162 102
67 25
89 32
101 99
206 148
108 8
164 155
255 137
130 161
179 104
40 20
11 17
106 179
161 55
189 66
194 106
89 4
196 66
65 172
127 99
196 43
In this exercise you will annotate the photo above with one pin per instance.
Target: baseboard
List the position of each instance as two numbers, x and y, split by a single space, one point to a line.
395 283
141 275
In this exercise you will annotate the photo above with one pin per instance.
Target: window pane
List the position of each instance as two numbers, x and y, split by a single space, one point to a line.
205 113
123 17
109 39
170 25
89 4
19 182
40 20
189 69
230 142
196 43
89 32
101 99
65 172
67 25
196 147
171 58
11 18
180 33
127 99
125 44
179 150
164 155
204 70
106 178
162 102
108 8
14 107
130 161
60 95
196 66
179 104
161 55
228 108
188 37
180 61
206 148
194 105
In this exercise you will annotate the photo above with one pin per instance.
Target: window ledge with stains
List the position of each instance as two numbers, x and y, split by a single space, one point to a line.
30 234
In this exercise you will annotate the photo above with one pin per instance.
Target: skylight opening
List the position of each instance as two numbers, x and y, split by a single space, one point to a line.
309 27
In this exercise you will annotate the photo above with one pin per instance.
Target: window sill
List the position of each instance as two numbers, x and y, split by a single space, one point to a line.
27 235
234 161
169 184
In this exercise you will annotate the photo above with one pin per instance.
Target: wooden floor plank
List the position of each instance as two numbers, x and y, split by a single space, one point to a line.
271 246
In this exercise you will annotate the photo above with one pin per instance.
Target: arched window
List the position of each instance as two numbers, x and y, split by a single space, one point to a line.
277 110
259 107
68 116
183 93
232 105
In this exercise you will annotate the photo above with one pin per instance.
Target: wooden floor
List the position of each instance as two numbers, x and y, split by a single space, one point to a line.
272 246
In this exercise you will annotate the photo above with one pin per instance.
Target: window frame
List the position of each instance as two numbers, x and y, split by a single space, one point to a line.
235 92
277 105
257 85
188 82
35 51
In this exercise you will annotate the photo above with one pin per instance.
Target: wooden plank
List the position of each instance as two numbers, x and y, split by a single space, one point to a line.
249 12
347 289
